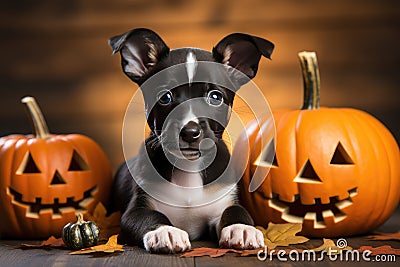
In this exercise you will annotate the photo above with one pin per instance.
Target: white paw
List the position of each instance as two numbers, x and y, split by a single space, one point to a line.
166 239
241 236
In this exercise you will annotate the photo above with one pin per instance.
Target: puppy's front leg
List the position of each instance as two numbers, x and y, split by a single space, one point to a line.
153 231
236 230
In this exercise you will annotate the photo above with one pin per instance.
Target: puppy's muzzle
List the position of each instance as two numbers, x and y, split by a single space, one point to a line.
191 134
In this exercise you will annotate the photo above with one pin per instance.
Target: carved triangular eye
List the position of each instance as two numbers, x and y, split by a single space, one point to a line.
28 165
268 157
341 156
77 163
308 175
57 179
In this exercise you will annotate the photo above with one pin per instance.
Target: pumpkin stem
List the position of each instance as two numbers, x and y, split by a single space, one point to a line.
309 67
36 117
79 216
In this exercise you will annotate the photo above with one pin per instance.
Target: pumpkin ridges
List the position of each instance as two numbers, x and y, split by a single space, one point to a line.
6 152
80 234
390 151
381 180
101 159
385 179
366 154
65 234
362 156
286 126
75 231
314 124
24 226
308 131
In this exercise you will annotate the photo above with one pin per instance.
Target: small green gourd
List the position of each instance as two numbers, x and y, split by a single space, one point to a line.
81 234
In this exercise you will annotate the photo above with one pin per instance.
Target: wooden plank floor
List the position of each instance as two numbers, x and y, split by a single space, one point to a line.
134 256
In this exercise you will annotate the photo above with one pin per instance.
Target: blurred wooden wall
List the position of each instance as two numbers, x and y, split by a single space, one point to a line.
57 51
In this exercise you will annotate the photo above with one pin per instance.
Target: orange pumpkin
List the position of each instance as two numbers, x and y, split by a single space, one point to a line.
45 180
336 170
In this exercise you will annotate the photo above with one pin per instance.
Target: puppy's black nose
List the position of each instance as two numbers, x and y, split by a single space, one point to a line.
191 132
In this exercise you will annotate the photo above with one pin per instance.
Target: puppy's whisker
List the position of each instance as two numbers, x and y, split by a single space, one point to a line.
153 142
173 167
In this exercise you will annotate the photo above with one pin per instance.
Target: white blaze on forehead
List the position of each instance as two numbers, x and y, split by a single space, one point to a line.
191 66
190 116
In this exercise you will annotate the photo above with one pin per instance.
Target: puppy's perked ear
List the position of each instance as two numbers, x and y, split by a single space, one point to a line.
140 51
242 52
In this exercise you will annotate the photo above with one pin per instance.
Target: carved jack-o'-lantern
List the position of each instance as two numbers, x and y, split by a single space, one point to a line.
46 179
337 171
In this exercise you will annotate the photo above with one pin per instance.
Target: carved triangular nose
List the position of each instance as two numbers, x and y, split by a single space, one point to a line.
57 179
308 175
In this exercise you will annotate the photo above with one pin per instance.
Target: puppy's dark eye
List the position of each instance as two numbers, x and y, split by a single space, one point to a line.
215 98
165 98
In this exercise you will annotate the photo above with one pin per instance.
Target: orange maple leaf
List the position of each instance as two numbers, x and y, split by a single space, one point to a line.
51 242
109 225
110 247
385 236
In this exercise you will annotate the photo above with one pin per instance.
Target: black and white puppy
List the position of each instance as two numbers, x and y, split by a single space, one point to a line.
152 220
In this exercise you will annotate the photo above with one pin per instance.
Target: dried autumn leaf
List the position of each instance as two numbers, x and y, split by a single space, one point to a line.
275 235
110 247
380 250
330 247
282 234
385 236
211 252
249 252
52 242
108 225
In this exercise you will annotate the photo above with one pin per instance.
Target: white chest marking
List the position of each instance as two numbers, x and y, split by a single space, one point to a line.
186 179
191 66
194 220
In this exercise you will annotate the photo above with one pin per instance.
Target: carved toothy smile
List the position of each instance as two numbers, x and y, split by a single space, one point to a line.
33 209
296 212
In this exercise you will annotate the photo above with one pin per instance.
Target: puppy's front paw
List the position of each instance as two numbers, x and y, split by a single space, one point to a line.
241 236
166 239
